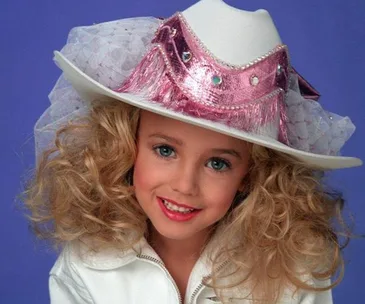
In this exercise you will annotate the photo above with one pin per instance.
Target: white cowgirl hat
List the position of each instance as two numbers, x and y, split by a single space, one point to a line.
213 66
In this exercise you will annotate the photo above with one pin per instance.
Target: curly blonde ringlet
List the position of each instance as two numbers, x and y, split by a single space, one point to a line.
287 232
283 231
80 189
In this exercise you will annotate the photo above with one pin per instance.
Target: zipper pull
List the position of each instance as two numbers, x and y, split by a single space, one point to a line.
213 299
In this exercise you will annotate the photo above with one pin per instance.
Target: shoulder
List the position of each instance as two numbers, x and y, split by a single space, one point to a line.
82 275
77 256
299 296
66 284
67 265
313 297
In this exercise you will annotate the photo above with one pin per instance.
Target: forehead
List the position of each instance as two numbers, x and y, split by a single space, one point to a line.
151 123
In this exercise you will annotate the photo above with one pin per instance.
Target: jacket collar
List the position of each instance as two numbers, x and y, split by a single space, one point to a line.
111 258
108 258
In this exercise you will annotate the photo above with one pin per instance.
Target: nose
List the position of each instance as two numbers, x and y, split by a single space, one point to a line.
186 180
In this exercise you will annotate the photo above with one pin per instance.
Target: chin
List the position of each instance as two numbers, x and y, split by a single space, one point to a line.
172 231
179 231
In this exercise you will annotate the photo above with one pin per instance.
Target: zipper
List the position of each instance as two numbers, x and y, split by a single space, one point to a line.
162 266
196 291
200 286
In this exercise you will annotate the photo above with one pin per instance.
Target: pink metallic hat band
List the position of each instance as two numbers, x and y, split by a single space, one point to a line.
181 74
164 67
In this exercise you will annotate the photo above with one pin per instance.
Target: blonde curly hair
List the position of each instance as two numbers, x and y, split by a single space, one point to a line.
284 227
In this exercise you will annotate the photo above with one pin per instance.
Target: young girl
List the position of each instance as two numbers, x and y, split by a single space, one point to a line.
186 165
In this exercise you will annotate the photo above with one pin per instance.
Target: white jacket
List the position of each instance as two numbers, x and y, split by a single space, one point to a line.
135 277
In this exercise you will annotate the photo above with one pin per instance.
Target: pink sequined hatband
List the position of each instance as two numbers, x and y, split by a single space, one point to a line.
164 67
179 73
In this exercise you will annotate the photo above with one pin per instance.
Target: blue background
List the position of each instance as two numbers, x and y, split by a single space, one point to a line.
327 44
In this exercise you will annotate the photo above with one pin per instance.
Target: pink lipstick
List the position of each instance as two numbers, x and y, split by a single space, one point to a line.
175 215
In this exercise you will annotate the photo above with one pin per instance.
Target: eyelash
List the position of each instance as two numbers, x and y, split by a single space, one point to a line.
224 161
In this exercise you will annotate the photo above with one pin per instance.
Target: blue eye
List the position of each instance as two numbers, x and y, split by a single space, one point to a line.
219 165
164 151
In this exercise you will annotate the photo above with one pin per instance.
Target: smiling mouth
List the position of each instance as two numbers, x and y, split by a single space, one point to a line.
177 212
175 208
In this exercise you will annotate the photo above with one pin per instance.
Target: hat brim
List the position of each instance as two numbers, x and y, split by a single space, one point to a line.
90 90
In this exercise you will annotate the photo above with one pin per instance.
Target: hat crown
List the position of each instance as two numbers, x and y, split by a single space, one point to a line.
233 35
178 66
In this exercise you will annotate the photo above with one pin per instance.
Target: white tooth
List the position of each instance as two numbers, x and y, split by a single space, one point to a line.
173 207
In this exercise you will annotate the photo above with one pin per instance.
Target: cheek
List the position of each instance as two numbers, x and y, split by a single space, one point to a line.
142 181
146 174
221 198
222 193
140 176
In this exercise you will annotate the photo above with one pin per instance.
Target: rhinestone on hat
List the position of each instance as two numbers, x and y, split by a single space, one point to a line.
216 80
186 56
279 69
254 80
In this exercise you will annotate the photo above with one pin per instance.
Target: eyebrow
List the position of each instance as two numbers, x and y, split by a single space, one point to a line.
180 143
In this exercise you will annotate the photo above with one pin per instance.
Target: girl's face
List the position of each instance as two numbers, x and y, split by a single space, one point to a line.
186 177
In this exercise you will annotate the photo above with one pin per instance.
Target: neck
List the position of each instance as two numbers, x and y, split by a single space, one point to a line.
171 249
